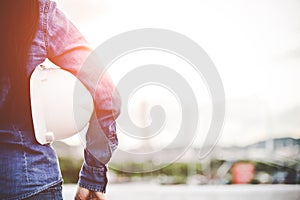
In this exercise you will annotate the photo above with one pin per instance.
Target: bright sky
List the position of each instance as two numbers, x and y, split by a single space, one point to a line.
254 44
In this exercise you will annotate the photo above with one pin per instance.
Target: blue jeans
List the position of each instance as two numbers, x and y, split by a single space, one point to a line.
52 193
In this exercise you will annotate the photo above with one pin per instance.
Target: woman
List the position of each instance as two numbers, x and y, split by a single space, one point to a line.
32 31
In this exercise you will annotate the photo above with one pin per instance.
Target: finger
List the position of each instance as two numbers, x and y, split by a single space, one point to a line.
82 194
98 196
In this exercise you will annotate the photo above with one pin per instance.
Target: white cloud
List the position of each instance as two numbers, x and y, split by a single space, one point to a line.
245 39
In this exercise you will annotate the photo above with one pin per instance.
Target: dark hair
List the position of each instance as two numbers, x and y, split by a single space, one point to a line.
19 22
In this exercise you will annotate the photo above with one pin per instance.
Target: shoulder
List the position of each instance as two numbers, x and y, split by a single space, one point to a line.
47 6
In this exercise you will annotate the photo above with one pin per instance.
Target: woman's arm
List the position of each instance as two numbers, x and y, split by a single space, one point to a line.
67 48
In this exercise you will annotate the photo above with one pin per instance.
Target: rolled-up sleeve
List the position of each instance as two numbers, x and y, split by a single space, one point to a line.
90 177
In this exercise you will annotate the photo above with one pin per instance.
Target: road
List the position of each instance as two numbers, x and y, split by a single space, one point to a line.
144 191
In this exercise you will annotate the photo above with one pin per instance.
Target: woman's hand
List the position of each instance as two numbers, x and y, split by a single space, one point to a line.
85 194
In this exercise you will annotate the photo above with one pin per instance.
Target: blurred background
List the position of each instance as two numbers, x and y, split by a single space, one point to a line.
255 46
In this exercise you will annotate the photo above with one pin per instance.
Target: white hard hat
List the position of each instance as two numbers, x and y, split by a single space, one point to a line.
61 105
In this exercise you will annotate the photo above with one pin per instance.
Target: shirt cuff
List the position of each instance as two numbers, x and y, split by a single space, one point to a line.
93 177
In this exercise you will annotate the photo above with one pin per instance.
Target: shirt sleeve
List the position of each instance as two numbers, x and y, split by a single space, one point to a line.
68 49
93 178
